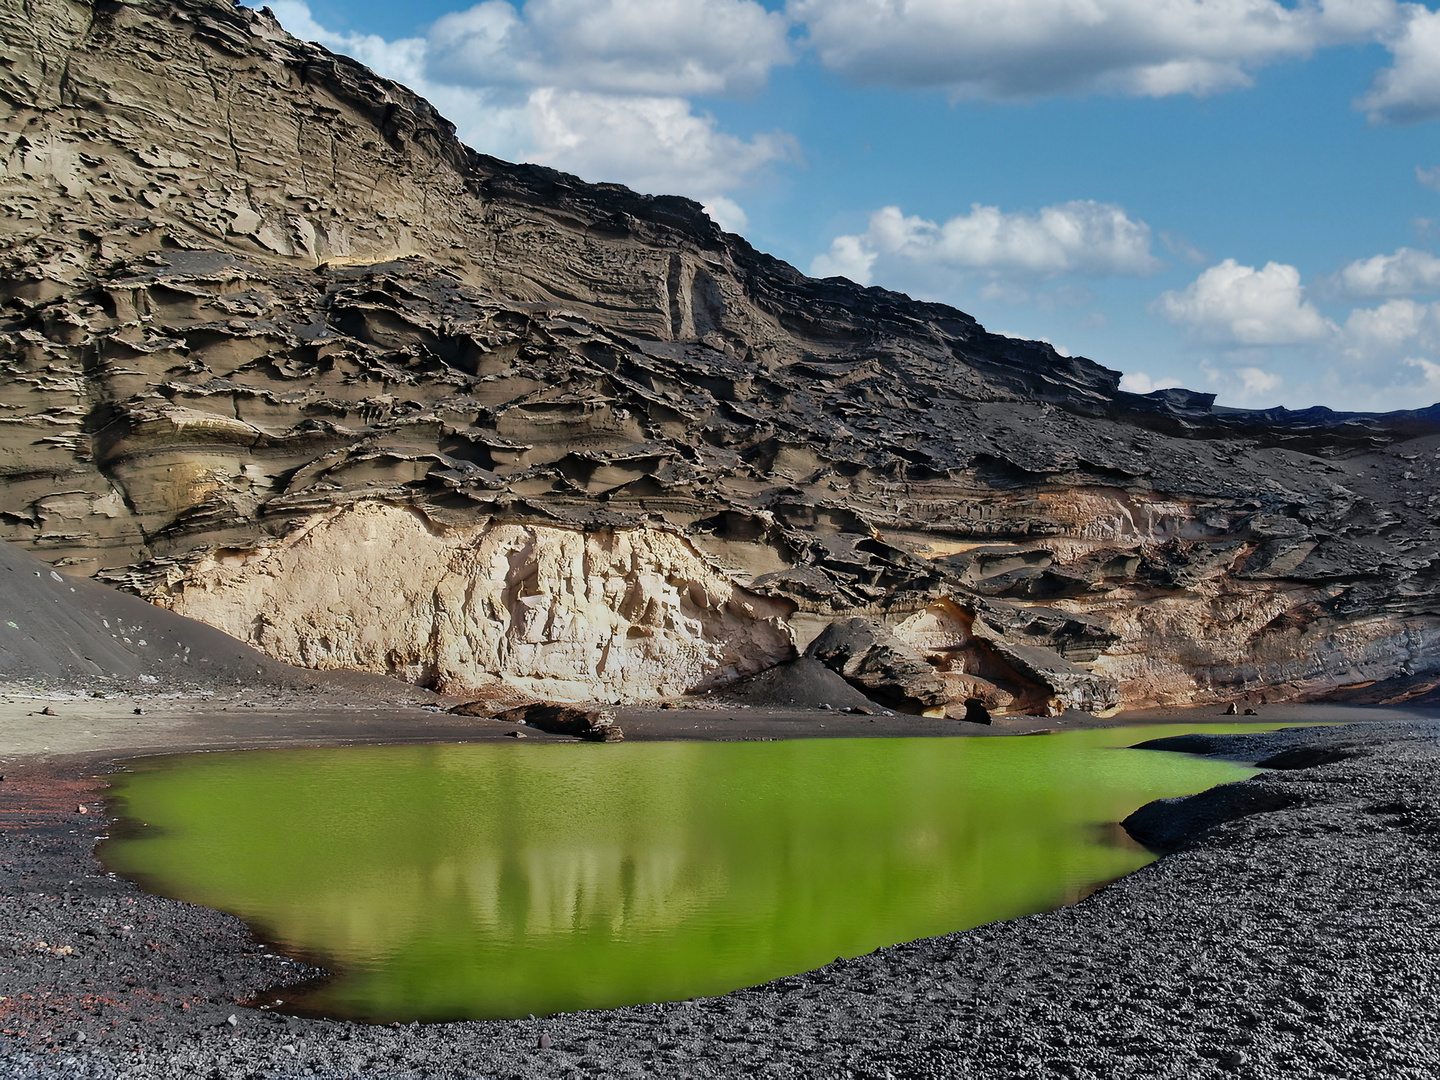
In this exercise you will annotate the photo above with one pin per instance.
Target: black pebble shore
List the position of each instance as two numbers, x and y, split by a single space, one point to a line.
1292 931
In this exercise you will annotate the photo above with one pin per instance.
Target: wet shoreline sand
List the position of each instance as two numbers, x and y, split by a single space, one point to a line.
1295 941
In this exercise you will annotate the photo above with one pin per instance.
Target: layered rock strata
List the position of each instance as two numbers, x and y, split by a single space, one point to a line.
255 297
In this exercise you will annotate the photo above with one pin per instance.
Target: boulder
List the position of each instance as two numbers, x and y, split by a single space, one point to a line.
879 665
800 683
592 725
1062 685
962 687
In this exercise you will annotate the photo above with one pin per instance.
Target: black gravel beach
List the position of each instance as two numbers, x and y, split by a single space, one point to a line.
1289 932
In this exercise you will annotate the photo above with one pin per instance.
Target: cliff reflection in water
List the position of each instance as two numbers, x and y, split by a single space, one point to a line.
498 880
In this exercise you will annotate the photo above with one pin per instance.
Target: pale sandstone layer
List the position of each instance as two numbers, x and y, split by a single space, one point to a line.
252 292
617 615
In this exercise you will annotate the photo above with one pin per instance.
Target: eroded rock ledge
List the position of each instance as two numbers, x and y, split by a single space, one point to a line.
248 287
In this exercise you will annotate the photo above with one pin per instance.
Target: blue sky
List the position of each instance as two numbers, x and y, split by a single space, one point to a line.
1240 196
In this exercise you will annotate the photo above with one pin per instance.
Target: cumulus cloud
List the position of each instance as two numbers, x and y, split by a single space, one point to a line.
1140 382
654 144
1083 237
1245 306
727 213
1405 272
1409 90
595 87
1389 356
1245 385
1023 49
1394 327
655 47
1427 387
1264 341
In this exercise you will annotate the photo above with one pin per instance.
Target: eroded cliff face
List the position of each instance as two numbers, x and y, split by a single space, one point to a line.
604 614
255 297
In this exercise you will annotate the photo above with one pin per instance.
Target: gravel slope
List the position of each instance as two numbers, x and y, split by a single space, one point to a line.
1300 941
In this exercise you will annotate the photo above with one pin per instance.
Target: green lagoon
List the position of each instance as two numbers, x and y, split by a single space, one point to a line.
495 880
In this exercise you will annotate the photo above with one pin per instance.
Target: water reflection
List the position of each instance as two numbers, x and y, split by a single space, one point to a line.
499 880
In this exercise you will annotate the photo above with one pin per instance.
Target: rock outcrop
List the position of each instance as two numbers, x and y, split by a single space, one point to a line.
254 298
605 614
879 665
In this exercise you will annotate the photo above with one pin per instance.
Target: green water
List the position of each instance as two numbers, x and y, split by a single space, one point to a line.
491 880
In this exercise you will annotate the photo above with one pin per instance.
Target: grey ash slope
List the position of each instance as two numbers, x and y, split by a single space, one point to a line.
247 282
73 634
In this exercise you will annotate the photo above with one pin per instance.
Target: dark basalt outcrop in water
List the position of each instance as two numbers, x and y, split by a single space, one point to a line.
280 353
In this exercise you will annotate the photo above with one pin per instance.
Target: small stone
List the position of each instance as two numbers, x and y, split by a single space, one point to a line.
82 809
232 1021
545 1042
1231 1059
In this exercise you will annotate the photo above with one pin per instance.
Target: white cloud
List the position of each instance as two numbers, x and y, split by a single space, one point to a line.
1244 385
1428 388
1428 177
1023 49
1083 237
1394 327
1245 306
1407 271
653 144
655 47
848 257
1378 359
1256 382
727 213
594 87
1140 382
1409 90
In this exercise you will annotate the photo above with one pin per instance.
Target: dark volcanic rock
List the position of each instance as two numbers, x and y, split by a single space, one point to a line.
1169 825
879 664
263 316
592 725
803 681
